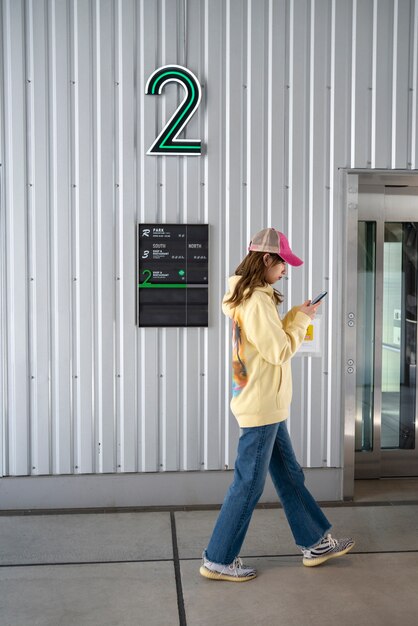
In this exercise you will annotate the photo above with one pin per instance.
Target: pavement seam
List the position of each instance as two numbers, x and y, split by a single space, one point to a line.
189 558
177 572
191 508
66 563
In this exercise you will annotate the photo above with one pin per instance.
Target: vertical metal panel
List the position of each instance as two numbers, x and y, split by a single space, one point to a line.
104 240
340 154
125 232
232 228
38 236
170 37
16 287
381 83
213 211
298 224
353 83
59 87
394 80
319 107
414 84
276 127
3 301
148 191
82 209
400 84
293 90
362 87
191 210
256 126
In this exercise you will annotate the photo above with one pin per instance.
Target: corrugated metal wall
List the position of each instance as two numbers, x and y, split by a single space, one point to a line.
292 91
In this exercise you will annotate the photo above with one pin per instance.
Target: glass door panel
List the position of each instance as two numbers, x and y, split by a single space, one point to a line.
399 336
366 287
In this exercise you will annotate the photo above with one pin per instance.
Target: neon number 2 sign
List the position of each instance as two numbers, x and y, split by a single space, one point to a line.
167 141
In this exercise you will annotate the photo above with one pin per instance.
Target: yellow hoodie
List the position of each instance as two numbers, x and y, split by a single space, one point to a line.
263 345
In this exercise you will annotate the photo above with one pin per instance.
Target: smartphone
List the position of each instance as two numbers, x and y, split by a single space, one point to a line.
318 298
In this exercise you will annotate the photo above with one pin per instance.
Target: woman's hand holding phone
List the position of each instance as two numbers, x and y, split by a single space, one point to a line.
310 306
309 309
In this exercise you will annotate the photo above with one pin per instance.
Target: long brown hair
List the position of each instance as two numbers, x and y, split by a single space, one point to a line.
252 271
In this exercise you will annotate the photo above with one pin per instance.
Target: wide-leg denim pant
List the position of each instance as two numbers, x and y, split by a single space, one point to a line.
262 449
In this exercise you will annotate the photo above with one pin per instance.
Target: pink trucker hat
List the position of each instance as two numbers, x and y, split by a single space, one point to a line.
273 241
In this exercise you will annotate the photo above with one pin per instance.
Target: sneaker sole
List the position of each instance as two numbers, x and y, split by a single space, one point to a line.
322 559
233 579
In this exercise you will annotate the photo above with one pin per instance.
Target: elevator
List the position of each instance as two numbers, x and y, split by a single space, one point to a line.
380 350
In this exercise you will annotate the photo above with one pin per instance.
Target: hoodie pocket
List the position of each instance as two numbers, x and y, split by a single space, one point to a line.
284 392
269 385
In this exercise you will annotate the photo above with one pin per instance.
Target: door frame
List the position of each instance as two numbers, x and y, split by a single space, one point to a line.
350 182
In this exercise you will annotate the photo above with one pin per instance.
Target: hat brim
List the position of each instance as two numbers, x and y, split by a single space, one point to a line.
291 259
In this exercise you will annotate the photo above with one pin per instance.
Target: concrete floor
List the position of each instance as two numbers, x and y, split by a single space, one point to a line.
142 568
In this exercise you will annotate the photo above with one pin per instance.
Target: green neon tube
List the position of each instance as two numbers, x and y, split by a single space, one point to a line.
162 145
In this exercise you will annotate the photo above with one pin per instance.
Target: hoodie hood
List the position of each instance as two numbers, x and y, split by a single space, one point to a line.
230 311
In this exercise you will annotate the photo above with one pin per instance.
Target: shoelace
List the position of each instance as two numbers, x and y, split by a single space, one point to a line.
328 539
235 565
332 542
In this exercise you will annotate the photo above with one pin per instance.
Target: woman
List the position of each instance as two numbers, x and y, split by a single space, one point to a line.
263 345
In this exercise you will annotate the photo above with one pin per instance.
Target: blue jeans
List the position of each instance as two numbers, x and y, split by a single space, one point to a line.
262 449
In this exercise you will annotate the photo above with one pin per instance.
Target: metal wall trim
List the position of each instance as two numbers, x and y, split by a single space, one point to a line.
350 202
152 489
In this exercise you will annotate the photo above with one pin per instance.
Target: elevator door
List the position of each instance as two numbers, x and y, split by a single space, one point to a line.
386 434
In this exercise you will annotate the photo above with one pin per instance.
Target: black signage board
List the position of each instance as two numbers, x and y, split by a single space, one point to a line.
173 263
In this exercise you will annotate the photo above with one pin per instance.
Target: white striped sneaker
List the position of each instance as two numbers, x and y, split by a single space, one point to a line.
235 572
327 548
